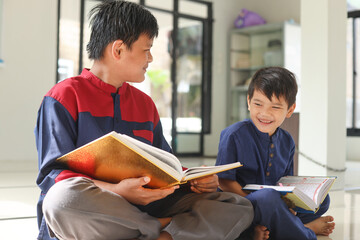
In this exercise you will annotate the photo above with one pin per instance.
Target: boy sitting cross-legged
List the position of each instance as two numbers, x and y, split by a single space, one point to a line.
267 151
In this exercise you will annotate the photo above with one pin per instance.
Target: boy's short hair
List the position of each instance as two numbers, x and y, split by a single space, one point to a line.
114 20
276 81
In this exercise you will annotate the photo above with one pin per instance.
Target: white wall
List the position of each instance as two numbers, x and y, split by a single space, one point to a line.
29 54
352 148
322 116
224 16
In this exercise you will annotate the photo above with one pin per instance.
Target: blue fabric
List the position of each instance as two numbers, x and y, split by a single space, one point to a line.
266 159
271 211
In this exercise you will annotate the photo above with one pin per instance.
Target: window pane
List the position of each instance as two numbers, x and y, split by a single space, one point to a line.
193 8
162 4
189 76
69 30
89 4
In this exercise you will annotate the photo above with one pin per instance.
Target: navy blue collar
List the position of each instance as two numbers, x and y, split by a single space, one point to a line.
264 137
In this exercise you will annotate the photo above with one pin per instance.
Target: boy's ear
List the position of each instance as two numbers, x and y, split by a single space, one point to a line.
291 110
116 48
248 102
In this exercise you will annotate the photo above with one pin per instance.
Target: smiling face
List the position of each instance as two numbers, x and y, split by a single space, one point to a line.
266 114
134 61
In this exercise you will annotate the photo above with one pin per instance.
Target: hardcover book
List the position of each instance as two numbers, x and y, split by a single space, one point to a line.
114 157
307 193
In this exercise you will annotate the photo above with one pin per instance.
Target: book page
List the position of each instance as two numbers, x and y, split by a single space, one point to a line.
310 186
158 153
174 168
253 187
291 192
197 172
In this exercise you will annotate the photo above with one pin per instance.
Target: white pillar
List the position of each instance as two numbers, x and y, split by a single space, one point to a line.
323 82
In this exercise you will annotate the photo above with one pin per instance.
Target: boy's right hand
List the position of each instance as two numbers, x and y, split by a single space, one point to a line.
133 191
290 204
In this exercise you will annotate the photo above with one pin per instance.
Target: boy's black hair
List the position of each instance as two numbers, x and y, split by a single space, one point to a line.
114 20
276 81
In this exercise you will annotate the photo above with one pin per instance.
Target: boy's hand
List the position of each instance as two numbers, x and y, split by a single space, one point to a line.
290 204
133 191
205 184
292 211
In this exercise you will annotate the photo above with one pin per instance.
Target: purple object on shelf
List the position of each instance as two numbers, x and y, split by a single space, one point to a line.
248 18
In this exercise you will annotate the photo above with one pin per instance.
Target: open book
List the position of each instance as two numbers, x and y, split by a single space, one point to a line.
114 157
307 193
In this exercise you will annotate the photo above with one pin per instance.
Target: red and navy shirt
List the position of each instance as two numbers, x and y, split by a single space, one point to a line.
81 109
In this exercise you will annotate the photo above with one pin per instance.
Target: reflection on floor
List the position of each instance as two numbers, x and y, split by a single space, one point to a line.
19 193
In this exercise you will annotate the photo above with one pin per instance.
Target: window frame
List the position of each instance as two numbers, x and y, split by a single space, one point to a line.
354 131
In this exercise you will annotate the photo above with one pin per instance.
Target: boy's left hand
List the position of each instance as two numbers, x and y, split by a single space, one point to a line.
205 184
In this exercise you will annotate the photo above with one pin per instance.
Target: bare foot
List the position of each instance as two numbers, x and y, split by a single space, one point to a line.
164 221
164 236
322 226
261 233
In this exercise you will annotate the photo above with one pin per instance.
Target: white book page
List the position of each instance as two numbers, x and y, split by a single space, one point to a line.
305 198
311 186
159 157
196 172
277 188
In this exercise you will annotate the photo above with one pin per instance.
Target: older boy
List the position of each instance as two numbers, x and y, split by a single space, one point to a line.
267 153
83 108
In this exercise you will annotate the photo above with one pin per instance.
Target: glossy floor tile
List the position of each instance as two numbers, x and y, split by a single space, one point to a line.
19 193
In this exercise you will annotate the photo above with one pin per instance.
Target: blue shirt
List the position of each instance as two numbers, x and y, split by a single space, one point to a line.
265 159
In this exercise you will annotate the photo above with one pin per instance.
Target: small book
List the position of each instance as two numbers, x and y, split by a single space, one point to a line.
307 193
114 157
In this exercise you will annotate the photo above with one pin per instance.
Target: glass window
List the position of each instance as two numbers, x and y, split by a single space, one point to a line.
352 80
189 75
69 31
188 7
161 4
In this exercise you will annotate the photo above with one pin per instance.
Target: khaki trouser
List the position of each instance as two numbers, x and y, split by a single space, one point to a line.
76 208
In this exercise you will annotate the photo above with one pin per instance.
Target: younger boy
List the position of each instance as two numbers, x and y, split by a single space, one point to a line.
267 151
83 108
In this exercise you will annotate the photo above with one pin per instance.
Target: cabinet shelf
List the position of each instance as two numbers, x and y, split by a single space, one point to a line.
240 51
252 48
249 69
241 88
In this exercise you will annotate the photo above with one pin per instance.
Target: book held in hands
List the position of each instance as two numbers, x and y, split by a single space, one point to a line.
307 193
114 157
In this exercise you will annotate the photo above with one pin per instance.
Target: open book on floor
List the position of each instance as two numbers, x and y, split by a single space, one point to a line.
307 193
114 157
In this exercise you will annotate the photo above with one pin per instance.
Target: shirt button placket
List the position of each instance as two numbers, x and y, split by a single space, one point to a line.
271 157
117 113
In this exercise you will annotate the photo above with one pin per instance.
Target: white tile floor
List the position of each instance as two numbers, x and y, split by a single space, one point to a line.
19 193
